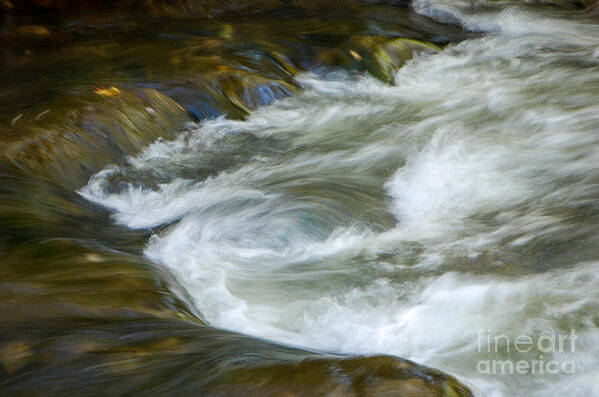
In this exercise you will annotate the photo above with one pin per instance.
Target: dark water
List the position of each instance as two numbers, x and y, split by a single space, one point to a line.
267 204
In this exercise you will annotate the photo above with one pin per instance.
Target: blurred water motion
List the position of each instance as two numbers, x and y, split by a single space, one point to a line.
284 200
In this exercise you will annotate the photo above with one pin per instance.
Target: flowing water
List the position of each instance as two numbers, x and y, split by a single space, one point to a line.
412 219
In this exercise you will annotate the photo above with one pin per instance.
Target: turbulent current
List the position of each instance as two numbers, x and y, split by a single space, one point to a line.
420 220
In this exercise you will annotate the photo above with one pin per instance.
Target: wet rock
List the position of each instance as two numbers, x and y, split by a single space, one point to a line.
337 57
361 376
211 77
382 57
247 92
152 356
76 281
69 143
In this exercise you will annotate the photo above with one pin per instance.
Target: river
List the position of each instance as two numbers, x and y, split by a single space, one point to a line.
437 219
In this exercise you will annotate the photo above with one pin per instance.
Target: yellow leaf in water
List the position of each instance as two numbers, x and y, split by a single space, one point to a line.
112 91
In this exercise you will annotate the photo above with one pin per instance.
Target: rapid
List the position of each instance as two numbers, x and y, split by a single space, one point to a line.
412 219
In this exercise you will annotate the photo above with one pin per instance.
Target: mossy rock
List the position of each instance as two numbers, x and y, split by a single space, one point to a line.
357 376
89 132
247 92
382 56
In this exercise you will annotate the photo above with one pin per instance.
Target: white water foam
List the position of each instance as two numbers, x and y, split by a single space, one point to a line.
489 146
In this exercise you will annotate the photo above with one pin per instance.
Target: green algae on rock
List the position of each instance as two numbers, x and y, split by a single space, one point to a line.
383 56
